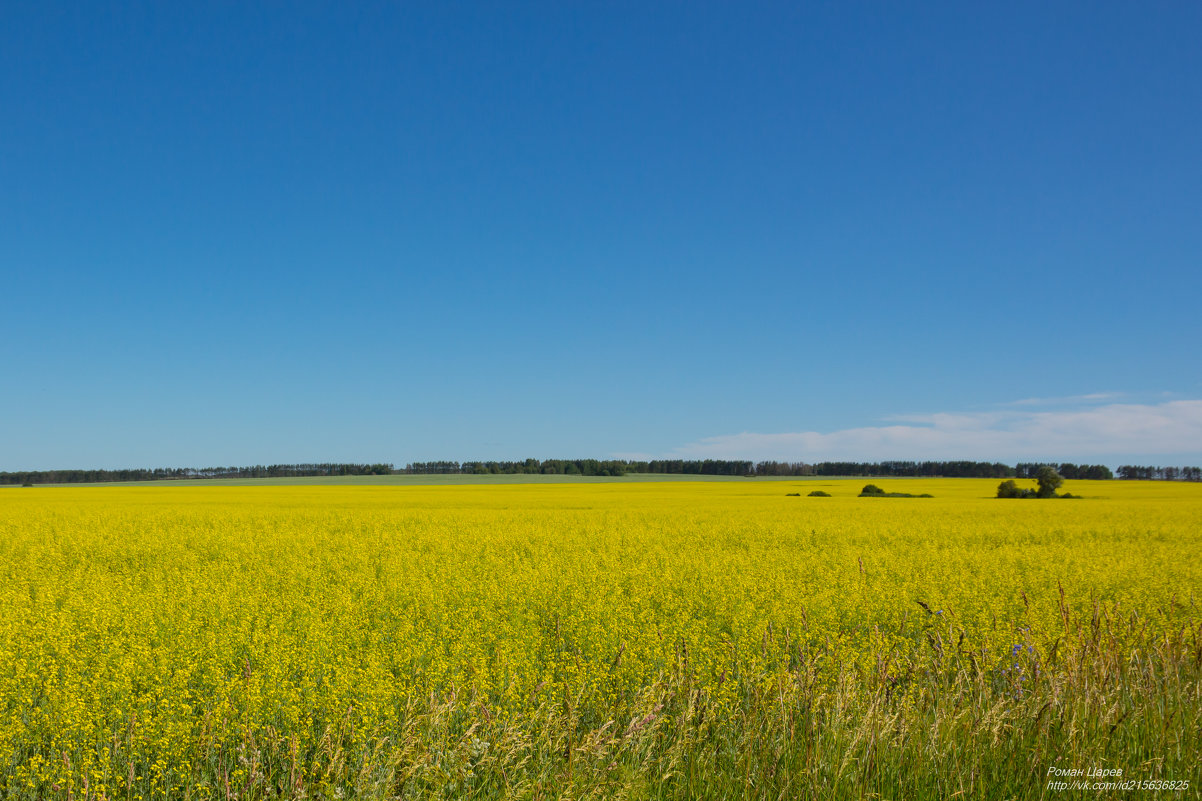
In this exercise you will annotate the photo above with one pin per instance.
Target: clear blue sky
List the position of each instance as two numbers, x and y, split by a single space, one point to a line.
396 232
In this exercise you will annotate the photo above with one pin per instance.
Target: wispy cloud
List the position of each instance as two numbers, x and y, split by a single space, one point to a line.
1070 400
1094 431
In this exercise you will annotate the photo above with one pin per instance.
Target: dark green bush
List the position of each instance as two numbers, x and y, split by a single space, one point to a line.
873 491
1009 489
1048 480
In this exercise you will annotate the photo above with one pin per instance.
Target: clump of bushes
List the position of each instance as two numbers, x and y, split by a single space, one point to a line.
1009 488
819 494
873 491
1048 481
792 494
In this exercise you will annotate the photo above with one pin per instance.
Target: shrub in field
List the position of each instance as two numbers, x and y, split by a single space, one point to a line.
1047 480
1009 489
873 491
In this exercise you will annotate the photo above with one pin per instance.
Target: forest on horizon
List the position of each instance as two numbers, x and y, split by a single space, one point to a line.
614 467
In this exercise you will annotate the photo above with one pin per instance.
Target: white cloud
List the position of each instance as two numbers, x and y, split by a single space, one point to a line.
1069 400
633 456
1110 430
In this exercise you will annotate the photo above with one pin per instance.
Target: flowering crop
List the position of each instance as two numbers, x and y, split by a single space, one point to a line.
661 639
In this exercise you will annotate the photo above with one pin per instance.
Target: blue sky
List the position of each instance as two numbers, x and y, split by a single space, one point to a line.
394 232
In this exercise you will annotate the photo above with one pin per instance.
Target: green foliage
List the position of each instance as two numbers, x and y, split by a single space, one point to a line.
819 494
1009 489
1070 471
1049 481
873 491
1149 473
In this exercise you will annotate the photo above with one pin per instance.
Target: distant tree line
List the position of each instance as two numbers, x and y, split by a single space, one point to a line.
294 470
616 467
1134 472
571 467
170 473
717 467
724 467
1066 470
960 469
567 467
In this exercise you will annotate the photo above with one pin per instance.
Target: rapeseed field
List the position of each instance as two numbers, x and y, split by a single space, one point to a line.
667 640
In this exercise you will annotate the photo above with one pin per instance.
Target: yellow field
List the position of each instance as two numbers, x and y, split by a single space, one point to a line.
669 639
